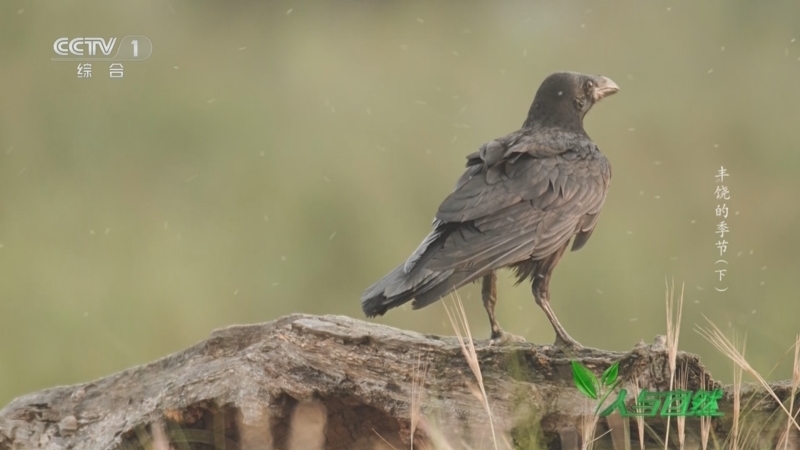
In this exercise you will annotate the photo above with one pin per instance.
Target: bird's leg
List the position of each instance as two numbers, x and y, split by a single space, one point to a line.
489 295
542 295
541 292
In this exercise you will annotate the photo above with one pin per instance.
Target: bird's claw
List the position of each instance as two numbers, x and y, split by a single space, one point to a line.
567 344
503 338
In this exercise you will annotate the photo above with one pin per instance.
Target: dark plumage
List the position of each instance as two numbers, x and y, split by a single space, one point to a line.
521 201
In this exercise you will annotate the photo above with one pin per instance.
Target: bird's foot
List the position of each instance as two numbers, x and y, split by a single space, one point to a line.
567 344
502 338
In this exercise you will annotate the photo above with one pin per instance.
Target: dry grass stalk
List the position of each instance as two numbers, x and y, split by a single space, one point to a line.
588 425
673 334
784 440
749 440
682 385
458 319
417 391
385 442
737 398
618 426
636 389
705 421
715 336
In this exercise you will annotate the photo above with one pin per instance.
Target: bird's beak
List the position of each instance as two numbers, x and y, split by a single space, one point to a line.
604 87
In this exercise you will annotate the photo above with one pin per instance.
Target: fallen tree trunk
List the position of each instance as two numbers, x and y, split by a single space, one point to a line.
307 382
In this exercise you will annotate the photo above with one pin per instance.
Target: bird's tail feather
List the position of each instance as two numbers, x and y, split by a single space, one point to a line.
426 286
464 277
449 285
399 287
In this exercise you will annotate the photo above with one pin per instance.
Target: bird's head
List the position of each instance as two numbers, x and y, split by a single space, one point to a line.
564 98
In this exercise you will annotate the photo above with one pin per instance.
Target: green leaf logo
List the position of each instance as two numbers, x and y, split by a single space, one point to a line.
610 374
584 380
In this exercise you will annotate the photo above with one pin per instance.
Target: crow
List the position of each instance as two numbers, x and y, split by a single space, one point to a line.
521 200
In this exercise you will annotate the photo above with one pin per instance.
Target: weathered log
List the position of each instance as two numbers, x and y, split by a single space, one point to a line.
332 382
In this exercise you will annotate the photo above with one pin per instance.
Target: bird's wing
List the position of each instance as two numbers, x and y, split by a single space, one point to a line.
517 168
588 221
529 204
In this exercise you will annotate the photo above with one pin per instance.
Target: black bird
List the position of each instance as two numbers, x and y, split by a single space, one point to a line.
521 201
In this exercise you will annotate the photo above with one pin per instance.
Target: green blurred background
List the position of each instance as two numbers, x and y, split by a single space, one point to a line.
279 157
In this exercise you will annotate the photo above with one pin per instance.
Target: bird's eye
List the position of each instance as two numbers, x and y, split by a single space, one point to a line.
589 84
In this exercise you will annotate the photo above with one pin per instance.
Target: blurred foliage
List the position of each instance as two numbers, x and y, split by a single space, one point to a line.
279 157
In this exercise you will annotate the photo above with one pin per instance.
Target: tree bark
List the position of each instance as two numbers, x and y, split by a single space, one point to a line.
308 382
